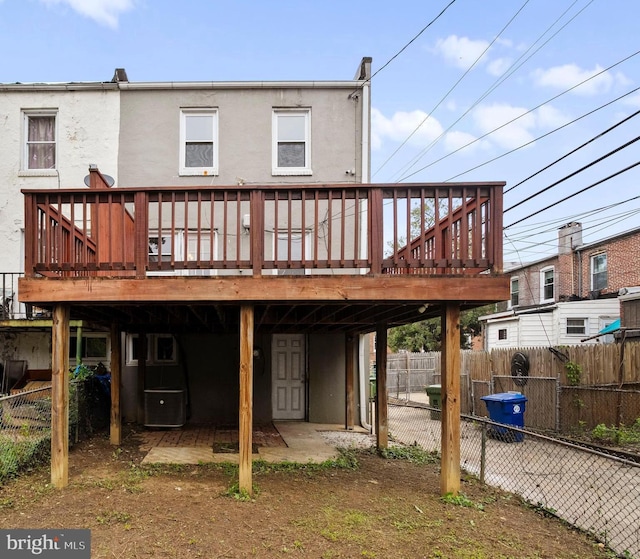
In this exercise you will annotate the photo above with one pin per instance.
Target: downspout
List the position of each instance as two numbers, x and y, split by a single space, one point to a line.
365 171
363 376
579 253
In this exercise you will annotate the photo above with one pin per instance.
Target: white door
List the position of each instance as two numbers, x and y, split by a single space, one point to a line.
288 376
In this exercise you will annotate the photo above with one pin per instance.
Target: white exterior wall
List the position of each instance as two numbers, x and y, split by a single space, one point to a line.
596 312
550 328
88 125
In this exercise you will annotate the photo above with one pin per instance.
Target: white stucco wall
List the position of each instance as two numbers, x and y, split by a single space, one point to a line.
88 123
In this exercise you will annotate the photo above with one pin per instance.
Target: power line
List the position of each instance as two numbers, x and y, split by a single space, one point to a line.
570 175
523 114
576 193
549 134
508 73
582 145
409 43
450 89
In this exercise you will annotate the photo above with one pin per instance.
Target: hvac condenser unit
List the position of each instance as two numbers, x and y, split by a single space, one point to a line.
165 408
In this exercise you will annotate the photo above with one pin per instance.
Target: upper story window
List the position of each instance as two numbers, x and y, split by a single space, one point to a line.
515 292
198 142
599 271
547 283
39 140
291 142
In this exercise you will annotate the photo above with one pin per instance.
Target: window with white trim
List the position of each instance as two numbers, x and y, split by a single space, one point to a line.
289 247
599 271
199 142
547 283
576 326
515 292
39 150
291 144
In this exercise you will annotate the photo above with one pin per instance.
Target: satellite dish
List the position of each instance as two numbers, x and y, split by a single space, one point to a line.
108 179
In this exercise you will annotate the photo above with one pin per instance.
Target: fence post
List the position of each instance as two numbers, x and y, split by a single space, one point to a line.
408 376
483 451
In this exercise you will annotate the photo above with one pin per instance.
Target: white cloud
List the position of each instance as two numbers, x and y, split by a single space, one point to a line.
522 128
550 117
401 125
467 143
460 51
490 117
569 75
498 66
105 12
632 100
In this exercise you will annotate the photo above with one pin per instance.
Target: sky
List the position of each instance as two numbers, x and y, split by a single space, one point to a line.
463 90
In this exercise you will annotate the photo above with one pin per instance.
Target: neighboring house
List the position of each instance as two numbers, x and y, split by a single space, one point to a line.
49 133
629 314
568 298
234 252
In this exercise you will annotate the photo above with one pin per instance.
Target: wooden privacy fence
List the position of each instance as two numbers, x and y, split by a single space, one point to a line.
606 388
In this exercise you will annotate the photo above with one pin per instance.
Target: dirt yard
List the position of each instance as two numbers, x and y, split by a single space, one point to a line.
380 509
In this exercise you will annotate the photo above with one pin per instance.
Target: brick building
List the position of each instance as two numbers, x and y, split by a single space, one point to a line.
568 297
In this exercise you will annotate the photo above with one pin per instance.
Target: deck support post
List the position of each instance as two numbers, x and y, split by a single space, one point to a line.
246 398
60 396
382 417
115 434
450 380
349 380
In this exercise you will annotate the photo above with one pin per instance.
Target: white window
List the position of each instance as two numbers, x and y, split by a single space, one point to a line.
39 140
547 292
198 142
576 326
288 247
599 271
167 248
161 349
291 142
515 292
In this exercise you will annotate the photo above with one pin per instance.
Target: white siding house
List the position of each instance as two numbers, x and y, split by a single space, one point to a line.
567 323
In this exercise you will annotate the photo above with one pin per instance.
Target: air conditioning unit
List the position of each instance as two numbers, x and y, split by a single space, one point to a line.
165 408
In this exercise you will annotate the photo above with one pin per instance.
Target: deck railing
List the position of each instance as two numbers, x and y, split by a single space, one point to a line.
280 230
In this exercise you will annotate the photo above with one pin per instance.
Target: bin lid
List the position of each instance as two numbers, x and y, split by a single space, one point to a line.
435 388
513 397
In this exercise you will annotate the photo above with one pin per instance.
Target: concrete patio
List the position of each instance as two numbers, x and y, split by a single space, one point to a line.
282 441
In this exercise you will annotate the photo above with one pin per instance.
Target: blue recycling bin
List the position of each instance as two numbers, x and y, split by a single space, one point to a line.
507 408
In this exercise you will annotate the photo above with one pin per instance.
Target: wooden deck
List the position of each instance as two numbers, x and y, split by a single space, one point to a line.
345 256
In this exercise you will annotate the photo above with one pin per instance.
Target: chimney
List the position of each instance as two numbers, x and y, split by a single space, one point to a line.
569 237
120 75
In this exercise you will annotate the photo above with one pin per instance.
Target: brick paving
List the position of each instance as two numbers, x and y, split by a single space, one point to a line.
207 436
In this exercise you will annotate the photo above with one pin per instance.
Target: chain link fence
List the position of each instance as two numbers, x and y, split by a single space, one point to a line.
590 489
25 423
25 431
